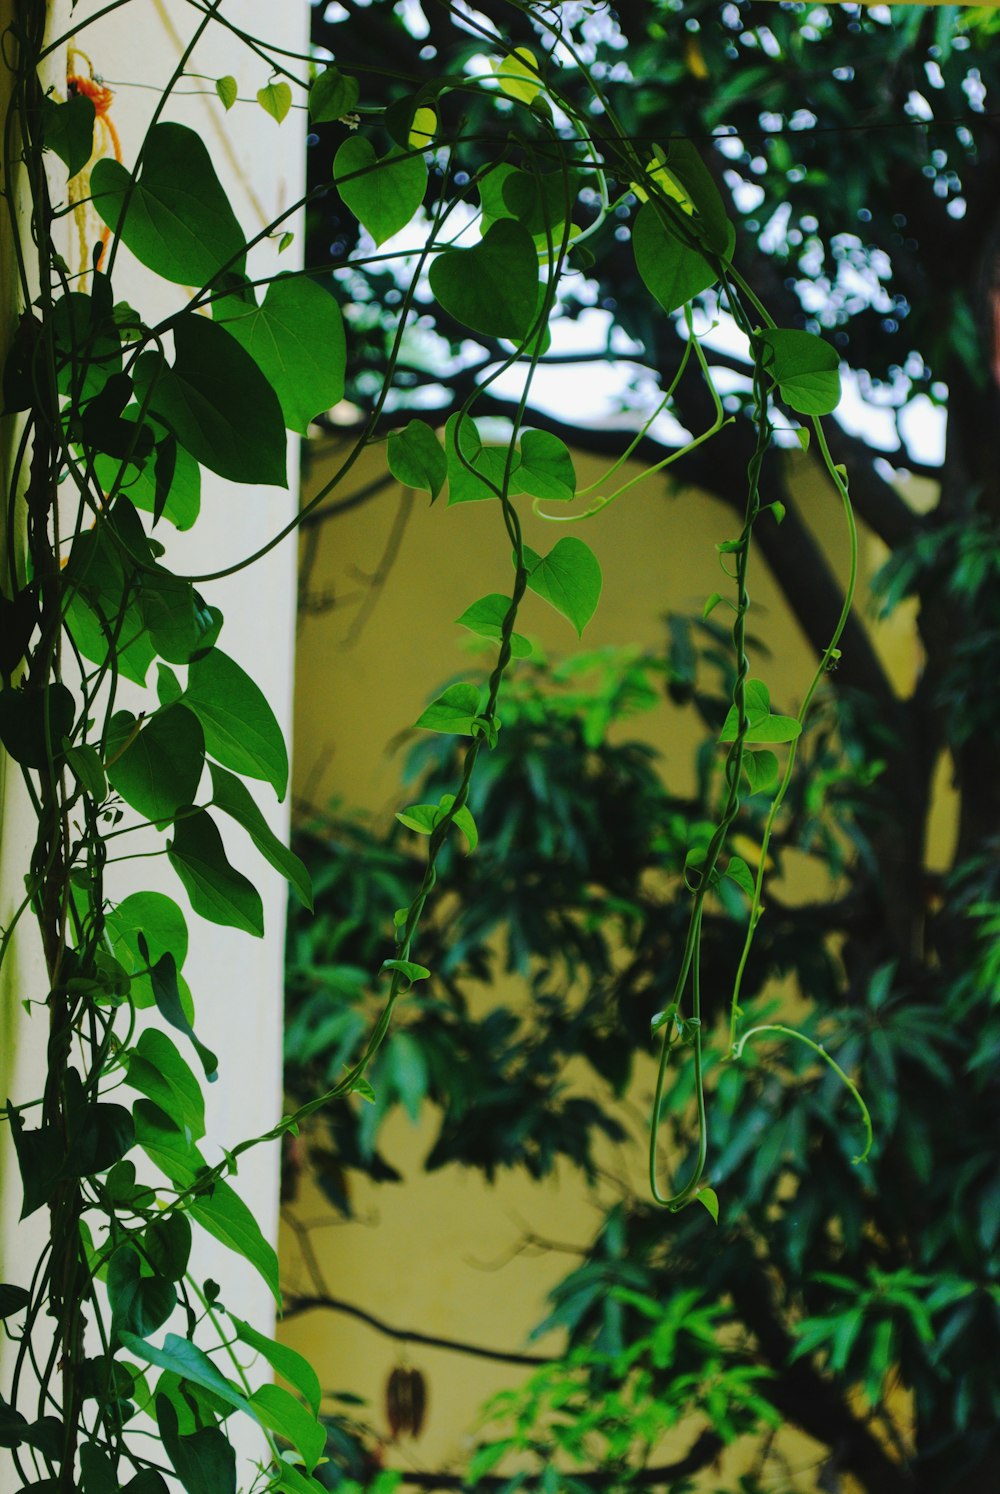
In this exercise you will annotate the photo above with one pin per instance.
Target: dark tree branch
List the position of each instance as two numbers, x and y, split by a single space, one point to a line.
323 1303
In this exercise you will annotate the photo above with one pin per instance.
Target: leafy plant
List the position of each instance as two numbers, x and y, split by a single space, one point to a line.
118 414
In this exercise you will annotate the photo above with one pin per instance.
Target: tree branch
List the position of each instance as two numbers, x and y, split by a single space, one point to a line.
323 1303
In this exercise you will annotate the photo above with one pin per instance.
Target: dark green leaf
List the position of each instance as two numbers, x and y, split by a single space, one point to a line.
296 338
176 219
139 1304
166 993
217 403
217 890
142 485
670 271
68 129
86 764
205 1460
240 728
161 768
232 796
13 1299
493 286
34 722
167 1243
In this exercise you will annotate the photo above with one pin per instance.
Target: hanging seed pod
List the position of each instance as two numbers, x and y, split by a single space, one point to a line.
405 1402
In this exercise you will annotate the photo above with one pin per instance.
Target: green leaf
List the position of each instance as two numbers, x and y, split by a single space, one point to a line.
296 338
275 99
139 1304
486 618
232 796
761 725
290 1365
241 731
761 769
416 459
176 218
741 874
683 161
185 1359
546 469
487 463
227 90
332 95
709 1199
569 579
405 1068
34 722
13 1299
161 768
166 993
176 617
517 74
224 1214
86 764
180 505
218 892
424 818
68 129
670 271
157 1070
493 286
382 194
169 1147
167 1243
408 968
217 403
282 1413
204 1460
453 711
161 922
805 369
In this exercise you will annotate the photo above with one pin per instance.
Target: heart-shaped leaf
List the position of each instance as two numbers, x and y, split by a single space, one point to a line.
491 287
670 271
805 369
176 217
415 457
382 194
569 578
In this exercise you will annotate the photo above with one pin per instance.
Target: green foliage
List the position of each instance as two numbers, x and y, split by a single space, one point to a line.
517 201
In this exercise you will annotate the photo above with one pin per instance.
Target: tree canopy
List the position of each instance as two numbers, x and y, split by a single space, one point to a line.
859 156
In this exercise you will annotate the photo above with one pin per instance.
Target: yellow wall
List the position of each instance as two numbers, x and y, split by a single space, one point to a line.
440 1253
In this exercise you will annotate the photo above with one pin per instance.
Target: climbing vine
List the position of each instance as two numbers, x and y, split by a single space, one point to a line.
115 414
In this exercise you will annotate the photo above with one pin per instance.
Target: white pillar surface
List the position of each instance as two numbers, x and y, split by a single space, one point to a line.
236 980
